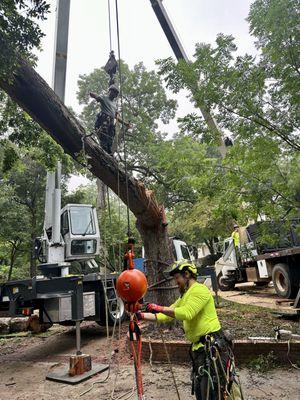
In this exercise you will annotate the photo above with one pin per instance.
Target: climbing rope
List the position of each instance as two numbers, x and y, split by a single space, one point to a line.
169 362
109 24
122 115
229 375
136 350
109 339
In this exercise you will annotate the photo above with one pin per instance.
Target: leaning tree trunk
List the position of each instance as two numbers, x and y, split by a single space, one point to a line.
33 94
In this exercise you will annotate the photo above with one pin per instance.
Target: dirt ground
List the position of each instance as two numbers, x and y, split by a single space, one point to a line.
25 361
249 293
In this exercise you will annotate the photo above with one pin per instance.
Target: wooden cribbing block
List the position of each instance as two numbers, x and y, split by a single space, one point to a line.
80 364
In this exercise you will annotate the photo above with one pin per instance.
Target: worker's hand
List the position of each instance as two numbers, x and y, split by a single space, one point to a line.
154 308
132 307
140 316
93 95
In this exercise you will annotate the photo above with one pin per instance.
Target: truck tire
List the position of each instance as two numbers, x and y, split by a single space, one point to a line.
115 314
283 282
224 284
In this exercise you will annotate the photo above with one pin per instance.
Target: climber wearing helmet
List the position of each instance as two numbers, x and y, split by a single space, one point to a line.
105 122
196 308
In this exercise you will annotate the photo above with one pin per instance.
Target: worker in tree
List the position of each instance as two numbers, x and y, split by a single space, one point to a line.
105 122
213 374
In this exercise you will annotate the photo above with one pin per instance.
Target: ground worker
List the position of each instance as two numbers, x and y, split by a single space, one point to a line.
236 236
236 241
213 375
105 122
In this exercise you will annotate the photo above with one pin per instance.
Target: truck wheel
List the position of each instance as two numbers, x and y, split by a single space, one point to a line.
282 280
116 309
224 284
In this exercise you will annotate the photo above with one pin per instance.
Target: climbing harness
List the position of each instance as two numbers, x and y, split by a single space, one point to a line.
217 365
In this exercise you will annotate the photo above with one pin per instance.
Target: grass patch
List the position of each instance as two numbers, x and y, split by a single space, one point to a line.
263 363
243 320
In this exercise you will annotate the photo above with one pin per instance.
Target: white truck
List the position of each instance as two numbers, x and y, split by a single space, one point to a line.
259 262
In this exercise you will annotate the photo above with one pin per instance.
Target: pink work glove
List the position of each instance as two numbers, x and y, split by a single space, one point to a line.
154 308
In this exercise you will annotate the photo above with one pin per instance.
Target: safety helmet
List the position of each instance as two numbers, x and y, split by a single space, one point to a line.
183 265
235 226
113 88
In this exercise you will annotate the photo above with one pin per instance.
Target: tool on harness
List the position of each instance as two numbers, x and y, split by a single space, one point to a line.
217 364
111 67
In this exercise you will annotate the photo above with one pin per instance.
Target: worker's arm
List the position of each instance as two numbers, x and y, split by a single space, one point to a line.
158 316
163 314
194 304
119 119
146 316
96 97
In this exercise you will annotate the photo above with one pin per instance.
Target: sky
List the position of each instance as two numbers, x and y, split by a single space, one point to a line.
141 37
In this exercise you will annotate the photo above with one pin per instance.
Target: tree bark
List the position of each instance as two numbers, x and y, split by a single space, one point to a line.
29 90
33 94
12 259
158 259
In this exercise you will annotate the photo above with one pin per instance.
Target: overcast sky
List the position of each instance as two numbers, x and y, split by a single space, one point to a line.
141 35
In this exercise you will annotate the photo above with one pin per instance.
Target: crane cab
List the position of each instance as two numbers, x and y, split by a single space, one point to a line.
80 232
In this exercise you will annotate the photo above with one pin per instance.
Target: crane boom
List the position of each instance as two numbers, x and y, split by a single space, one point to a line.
180 54
169 30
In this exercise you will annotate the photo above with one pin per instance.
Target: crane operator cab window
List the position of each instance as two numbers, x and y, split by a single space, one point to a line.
82 221
79 227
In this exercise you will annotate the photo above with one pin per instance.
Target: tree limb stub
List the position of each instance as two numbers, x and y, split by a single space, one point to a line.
30 91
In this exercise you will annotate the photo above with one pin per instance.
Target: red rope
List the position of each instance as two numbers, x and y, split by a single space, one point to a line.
137 356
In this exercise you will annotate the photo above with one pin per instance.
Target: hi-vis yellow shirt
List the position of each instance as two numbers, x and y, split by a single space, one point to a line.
196 308
236 238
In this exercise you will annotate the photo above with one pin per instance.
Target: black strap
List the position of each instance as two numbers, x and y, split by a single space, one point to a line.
136 330
202 339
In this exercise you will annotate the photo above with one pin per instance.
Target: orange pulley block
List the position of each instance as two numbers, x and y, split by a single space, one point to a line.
131 287
132 283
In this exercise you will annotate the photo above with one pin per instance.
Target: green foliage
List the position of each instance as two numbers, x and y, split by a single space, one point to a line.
21 214
264 363
257 100
17 128
19 28
144 103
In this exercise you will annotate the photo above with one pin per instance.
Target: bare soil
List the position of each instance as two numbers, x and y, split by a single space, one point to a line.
25 361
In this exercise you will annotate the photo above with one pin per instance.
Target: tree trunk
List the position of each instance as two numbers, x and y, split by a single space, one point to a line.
101 195
158 259
12 260
33 235
210 245
33 94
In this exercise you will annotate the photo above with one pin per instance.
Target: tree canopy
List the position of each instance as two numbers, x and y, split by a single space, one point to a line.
254 98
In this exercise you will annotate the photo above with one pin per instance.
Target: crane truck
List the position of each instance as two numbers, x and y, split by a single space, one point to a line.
256 260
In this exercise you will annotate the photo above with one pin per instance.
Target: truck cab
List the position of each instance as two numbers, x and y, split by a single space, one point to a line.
180 250
261 262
